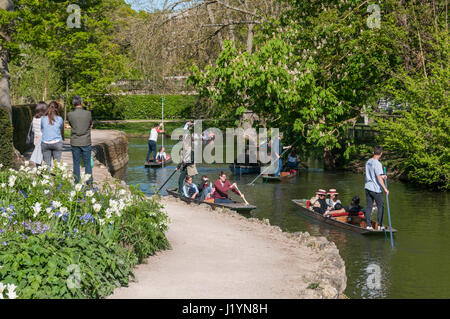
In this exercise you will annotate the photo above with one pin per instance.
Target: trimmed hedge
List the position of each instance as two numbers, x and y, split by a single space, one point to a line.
6 138
22 116
149 106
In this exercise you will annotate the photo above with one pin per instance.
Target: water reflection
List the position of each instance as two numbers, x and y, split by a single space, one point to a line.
416 268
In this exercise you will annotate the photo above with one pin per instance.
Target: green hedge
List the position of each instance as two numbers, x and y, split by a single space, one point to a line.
6 138
149 106
22 117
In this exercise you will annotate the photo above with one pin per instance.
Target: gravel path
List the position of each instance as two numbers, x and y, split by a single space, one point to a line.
223 255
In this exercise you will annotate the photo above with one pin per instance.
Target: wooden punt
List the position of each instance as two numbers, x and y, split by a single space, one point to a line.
351 223
158 164
238 169
238 207
282 177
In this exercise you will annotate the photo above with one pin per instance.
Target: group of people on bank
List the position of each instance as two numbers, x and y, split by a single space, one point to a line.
48 129
328 204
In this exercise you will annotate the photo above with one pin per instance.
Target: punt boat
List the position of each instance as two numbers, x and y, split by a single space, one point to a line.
355 223
238 207
158 163
239 169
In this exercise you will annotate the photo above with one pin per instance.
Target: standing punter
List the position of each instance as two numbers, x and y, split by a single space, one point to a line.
374 184
152 139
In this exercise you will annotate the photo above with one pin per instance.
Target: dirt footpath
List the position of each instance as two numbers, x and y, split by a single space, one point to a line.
220 254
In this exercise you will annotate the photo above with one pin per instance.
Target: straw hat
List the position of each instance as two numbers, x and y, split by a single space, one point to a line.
332 191
321 192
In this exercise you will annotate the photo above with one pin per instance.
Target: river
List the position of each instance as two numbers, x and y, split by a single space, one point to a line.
418 265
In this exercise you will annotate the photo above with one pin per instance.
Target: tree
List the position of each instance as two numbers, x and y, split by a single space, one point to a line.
313 70
6 9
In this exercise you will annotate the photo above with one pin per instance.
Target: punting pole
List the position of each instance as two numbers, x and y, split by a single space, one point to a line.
389 213
166 181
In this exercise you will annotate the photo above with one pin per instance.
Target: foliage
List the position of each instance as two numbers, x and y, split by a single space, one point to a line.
313 70
149 106
22 118
40 266
420 138
87 59
6 138
103 231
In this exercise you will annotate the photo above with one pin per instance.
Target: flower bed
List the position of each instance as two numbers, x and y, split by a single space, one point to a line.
61 240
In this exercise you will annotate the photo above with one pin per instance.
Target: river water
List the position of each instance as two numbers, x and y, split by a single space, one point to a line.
417 267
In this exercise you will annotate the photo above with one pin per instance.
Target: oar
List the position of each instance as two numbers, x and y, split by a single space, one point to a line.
166 181
271 165
389 213
243 197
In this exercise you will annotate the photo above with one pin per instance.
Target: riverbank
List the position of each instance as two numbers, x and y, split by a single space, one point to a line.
221 254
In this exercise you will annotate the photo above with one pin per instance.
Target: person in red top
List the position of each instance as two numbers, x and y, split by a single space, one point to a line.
222 186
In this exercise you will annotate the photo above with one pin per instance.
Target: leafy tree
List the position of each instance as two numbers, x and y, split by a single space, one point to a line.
313 70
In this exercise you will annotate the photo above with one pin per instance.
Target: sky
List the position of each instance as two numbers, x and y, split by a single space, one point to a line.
144 4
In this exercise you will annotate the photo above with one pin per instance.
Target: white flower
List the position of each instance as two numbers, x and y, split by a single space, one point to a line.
3 185
2 288
78 187
37 209
89 193
48 210
101 221
122 192
93 200
27 163
11 291
1 165
44 182
108 213
97 207
63 210
34 183
72 194
12 180
46 192
57 204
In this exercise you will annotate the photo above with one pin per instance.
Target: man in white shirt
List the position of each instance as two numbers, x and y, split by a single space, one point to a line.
152 139
374 186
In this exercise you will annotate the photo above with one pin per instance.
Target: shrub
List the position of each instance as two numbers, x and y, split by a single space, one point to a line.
149 106
48 224
6 138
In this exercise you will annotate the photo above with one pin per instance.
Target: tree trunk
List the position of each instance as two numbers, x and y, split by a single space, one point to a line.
329 161
231 25
5 97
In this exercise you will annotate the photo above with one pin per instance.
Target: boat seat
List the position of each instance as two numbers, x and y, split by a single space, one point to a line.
360 214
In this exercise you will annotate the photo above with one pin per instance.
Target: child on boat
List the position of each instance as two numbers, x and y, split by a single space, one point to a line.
205 188
190 189
353 209
161 156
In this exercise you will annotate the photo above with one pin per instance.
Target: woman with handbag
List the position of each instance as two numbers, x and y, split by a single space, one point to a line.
35 128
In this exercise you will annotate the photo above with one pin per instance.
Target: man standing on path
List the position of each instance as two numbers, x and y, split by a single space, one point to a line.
187 165
152 139
80 138
373 186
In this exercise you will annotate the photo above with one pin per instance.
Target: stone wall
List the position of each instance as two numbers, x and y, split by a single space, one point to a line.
110 149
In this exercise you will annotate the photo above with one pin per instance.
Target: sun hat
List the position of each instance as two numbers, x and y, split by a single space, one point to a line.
332 191
321 192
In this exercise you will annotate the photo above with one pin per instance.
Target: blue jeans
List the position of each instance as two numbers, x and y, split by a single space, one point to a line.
77 153
205 191
151 148
280 165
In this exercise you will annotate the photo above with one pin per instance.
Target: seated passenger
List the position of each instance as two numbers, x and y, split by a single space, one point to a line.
204 188
190 189
318 203
292 161
353 209
161 155
333 200
222 186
